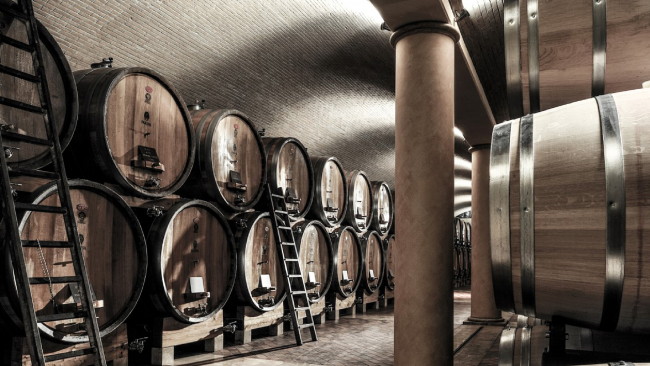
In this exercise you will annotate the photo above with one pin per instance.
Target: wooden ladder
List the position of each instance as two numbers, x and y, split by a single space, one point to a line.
24 11
294 283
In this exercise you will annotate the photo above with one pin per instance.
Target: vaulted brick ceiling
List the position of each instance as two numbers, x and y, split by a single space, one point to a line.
321 71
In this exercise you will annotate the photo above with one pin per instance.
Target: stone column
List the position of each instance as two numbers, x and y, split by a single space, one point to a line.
484 309
424 182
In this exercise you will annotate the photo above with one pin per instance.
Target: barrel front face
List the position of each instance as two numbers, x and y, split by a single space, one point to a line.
348 261
259 273
138 128
232 162
389 278
114 250
374 263
330 191
194 261
316 258
569 260
290 170
62 88
382 218
360 206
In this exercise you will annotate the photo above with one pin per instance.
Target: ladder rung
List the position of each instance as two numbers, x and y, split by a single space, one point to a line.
291 260
16 43
39 208
19 74
302 309
33 173
61 316
20 105
45 280
14 13
63 356
295 276
281 212
303 326
284 227
46 244
295 293
276 195
25 138
288 244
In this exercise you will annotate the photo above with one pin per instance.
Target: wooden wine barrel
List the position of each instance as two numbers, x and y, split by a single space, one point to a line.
374 262
523 346
134 130
259 281
568 210
382 202
115 253
193 261
330 191
63 95
289 169
360 206
389 277
230 163
316 256
348 261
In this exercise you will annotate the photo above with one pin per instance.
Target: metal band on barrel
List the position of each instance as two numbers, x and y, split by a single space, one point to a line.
533 55
527 214
599 47
513 58
507 347
526 334
500 217
615 194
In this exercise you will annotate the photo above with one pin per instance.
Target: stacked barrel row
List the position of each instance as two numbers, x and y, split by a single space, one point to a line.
129 134
462 252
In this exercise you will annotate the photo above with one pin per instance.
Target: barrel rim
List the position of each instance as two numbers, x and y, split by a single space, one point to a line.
364 246
349 216
219 115
375 201
100 143
69 123
336 237
278 143
241 237
315 211
299 231
156 237
46 191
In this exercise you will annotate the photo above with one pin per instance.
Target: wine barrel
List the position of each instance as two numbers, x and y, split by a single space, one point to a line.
193 261
348 261
62 88
134 130
523 345
115 253
382 202
231 163
290 170
259 281
568 190
360 205
374 262
389 278
316 257
330 191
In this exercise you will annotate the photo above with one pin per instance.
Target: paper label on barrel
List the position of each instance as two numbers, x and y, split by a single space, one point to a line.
148 154
196 285
345 275
311 277
265 281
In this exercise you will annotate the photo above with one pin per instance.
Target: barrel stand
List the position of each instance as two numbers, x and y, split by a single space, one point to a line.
341 304
116 346
249 319
366 301
387 298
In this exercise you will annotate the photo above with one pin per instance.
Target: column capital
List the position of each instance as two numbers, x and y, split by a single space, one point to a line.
424 27
480 147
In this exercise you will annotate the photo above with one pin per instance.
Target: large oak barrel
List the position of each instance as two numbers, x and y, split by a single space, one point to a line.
330 191
360 207
348 261
134 130
290 170
389 277
374 261
114 251
193 261
316 257
62 87
230 165
382 202
568 211
523 345
259 273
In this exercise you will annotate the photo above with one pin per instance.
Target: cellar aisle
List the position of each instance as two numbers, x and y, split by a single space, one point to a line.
366 339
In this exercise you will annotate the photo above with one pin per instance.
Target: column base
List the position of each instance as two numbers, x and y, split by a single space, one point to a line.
499 322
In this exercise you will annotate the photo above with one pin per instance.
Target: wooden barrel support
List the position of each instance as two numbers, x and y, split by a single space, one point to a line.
382 202
330 192
114 251
134 130
360 206
316 258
